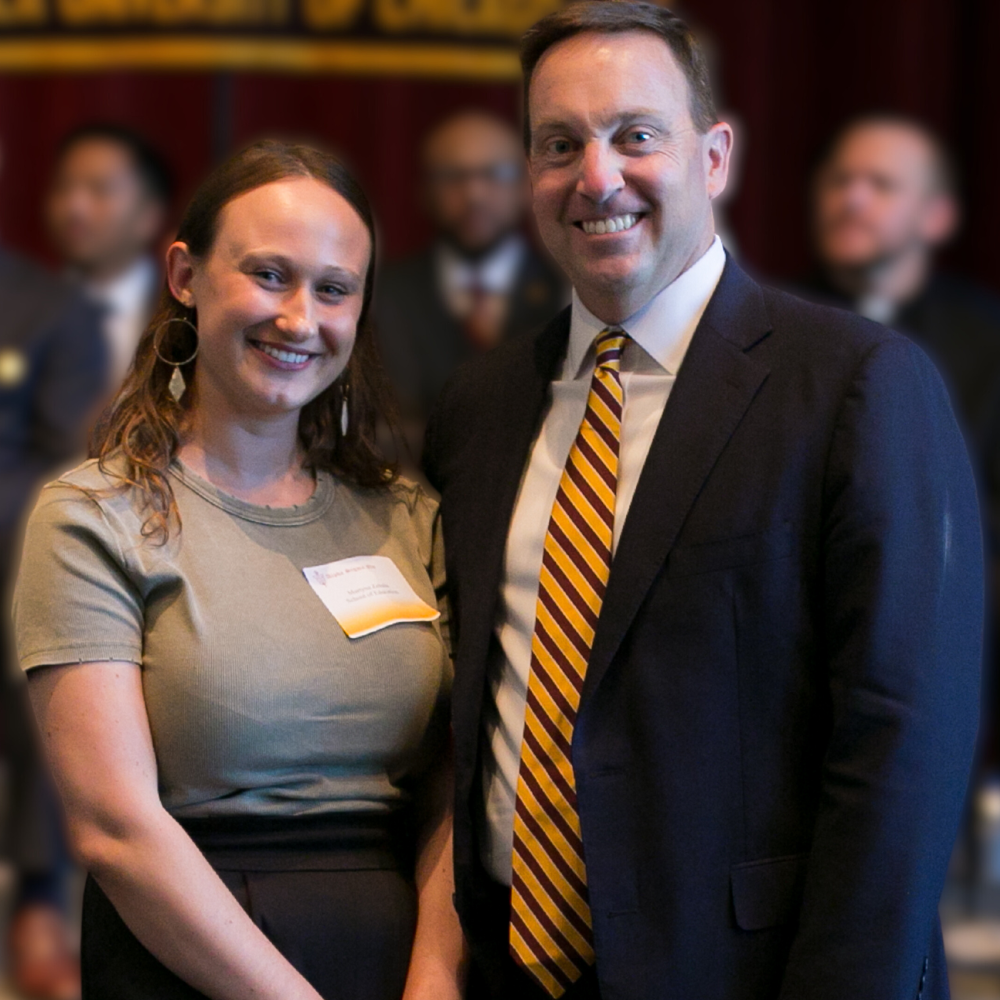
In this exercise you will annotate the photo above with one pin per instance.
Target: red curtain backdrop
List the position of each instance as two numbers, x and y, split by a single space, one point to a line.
792 71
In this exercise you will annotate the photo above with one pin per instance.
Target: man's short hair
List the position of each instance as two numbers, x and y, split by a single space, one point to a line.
149 165
616 17
945 175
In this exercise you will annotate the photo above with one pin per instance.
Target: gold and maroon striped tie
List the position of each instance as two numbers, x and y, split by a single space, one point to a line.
550 925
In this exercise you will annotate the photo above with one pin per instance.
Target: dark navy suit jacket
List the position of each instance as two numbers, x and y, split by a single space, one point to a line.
778 717
53 374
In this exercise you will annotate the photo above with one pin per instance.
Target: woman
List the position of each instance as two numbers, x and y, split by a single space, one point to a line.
260 800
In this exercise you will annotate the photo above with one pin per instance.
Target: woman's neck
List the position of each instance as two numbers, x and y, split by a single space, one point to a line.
257 461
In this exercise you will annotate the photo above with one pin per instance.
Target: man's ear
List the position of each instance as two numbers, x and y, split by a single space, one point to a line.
941 219
180 273
152 221
717 146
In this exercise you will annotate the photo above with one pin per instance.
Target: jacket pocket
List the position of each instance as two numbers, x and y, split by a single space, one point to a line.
731 553
768 893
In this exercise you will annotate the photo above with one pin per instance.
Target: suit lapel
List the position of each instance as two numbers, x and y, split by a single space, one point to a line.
714 388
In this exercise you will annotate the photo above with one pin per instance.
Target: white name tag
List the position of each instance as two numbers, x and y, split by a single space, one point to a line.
367 593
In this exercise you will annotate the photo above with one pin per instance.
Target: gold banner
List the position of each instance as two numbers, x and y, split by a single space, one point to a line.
450 38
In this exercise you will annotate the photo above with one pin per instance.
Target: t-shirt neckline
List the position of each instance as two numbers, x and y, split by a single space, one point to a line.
304 513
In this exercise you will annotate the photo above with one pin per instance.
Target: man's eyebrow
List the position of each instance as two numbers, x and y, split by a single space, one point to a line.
567 122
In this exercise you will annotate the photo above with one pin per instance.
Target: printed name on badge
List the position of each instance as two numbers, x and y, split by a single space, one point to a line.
367 593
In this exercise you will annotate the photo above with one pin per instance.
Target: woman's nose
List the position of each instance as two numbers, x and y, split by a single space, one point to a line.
298 317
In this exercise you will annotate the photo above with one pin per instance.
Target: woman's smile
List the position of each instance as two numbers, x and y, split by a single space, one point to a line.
284 358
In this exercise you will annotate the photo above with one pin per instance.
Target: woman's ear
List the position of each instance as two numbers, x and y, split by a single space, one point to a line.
180 273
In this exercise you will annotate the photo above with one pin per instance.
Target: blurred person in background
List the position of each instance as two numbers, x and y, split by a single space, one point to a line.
885 202
106 210
479 281
53 374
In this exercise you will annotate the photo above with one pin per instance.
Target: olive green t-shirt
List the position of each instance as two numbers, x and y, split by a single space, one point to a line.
258 702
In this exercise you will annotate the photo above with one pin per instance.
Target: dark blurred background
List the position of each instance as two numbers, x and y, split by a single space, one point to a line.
792 71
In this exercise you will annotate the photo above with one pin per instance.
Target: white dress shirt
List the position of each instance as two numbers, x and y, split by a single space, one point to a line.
495 273
128 301
660 334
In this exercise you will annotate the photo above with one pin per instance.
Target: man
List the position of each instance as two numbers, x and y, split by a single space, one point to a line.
106 210
53 374
885 201
729 763
479 281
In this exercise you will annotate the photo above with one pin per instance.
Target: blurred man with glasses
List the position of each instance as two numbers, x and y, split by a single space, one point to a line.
480 278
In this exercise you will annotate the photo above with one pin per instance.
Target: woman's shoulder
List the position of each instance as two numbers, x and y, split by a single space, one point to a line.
417 500
414 497
94 490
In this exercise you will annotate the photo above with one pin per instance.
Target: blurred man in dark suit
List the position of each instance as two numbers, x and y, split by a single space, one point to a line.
479 281
53 374
885 202
714 562
106 210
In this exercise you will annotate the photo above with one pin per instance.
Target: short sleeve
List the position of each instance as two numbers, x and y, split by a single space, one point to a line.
74 601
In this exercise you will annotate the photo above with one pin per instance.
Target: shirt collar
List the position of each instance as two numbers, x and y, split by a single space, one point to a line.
663 327
496 272
130 291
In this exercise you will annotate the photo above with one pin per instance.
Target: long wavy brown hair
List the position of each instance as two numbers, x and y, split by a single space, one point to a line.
144 425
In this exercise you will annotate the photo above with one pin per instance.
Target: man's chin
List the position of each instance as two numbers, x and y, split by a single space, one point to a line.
859 259
478 247
608 276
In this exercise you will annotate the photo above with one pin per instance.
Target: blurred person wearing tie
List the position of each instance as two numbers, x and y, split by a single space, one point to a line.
714 562
106 209
885 201
53 375
479 281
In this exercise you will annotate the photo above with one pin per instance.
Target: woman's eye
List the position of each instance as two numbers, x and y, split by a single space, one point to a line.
332 291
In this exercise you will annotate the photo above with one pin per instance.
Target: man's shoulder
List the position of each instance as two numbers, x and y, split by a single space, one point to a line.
798 329
791 312
409 272
24 277
965 301
531 350
832 349
28 289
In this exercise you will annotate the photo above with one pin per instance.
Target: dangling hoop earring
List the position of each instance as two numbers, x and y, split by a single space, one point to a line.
177 385
345 414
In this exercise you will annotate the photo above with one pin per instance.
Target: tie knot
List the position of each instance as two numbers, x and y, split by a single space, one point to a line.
609 346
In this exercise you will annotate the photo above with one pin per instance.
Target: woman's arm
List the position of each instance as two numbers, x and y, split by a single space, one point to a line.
93 721
439 960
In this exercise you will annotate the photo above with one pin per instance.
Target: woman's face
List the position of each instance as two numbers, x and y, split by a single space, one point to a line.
278 296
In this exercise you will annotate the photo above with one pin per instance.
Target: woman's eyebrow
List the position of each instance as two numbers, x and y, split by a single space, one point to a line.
256 257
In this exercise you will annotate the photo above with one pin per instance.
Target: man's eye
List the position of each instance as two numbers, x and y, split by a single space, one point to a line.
269 277
638 135
559 147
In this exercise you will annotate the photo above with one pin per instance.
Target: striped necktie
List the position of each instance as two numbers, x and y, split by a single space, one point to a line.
550 925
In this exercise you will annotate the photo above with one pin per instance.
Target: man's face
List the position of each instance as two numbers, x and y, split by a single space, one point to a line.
100 214
877 198
476 189
622 179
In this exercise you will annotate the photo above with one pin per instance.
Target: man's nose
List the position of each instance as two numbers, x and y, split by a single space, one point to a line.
298 315
600 172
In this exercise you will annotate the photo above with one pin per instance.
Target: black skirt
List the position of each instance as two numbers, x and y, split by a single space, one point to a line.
335 894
